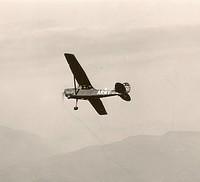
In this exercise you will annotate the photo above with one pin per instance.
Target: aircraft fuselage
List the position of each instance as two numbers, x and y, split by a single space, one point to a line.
85 94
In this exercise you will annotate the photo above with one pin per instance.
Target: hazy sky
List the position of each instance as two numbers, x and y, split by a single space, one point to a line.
152 44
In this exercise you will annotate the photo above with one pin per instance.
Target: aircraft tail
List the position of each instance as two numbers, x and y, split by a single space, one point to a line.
123 89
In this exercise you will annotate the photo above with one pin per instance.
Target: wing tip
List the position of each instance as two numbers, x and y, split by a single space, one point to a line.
68 54
103 113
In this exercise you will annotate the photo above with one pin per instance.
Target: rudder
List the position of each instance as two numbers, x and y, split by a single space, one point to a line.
122 87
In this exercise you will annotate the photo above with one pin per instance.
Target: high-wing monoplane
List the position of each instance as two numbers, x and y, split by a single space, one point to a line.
84 90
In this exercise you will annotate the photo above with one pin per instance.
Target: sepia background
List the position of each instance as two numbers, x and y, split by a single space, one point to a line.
152 44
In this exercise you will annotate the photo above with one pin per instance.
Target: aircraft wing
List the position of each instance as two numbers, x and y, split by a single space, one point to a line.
77 70
98 105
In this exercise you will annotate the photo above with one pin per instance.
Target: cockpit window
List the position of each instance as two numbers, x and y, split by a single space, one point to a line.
85 87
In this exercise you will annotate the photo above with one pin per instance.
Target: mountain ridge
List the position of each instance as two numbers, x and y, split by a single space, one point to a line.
173 156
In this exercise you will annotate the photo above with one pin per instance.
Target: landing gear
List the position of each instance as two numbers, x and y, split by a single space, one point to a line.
76 107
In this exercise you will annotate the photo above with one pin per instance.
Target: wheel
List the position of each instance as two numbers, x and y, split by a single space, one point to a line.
76 108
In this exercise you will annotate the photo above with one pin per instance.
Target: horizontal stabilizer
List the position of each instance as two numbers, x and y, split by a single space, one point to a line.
125 97
119 87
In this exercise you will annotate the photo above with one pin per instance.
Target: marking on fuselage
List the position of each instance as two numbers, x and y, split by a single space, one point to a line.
103 92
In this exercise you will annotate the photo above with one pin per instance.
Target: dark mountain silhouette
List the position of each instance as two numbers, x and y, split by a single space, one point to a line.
173 157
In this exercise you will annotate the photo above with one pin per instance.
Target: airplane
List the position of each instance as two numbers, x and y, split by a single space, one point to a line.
85 91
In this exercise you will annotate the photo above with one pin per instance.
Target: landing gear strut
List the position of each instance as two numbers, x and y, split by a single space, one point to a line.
76 107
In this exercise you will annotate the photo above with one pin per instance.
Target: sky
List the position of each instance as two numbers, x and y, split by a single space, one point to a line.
153 45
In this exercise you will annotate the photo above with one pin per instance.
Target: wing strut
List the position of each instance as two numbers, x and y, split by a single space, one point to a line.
75 89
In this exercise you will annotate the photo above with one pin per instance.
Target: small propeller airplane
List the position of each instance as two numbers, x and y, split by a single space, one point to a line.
85 90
